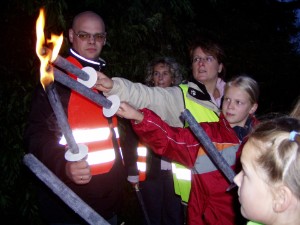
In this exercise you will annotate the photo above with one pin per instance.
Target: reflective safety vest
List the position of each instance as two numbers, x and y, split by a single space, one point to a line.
92 128
181 174
142 161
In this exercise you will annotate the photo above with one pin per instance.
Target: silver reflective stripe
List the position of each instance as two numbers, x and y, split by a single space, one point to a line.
117 132
142 151
84 59
141 166
90 135
182 173
101 156
203 163
120 150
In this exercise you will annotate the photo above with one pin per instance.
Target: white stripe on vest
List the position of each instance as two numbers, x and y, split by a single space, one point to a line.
90 135
142 152
102 156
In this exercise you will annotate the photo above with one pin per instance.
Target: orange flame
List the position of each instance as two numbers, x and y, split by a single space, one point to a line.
46 71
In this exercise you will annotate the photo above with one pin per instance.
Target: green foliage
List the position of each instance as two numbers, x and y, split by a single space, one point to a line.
147 29
16 195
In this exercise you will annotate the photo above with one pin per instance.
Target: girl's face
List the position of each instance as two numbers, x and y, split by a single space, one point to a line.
162 76
237 106
205 67
255 195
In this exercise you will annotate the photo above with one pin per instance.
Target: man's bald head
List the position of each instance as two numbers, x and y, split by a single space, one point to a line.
87 15
88 35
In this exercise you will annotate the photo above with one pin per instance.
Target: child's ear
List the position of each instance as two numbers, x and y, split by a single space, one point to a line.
282 199
253 108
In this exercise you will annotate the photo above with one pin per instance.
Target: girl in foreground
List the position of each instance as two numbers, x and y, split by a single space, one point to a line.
209 202
269 183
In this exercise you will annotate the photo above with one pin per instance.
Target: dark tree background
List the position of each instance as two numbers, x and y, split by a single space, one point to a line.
256 35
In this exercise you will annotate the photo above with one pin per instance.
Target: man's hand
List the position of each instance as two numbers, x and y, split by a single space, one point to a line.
103 83
79 172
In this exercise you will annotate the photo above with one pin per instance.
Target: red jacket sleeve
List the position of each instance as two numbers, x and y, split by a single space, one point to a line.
177 144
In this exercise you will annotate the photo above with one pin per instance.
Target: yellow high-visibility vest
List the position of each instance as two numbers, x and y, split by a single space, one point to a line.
181 174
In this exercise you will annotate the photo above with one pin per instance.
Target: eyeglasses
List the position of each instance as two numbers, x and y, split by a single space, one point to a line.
100 37
207 59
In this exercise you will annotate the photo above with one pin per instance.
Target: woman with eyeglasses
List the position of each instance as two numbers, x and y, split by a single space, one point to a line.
201 95
209 203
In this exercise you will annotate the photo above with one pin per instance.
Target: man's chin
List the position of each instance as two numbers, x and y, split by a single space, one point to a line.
91 57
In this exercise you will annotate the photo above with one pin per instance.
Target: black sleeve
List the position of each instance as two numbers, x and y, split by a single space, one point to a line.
129 144
42 134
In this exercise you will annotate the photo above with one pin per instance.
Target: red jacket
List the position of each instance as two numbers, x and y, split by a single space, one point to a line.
209 202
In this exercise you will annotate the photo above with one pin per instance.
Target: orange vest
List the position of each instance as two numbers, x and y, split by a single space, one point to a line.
141 161
91 127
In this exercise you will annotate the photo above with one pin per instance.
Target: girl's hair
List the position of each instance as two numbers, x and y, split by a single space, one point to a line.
210 47
247 84
168 61
278 145
296 110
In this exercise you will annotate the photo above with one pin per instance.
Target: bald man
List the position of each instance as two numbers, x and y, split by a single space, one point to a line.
99 178
88 35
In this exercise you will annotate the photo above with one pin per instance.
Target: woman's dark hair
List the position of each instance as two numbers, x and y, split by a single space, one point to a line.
210 47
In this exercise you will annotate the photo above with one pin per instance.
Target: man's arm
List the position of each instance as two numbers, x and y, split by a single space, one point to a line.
43 133
42 137
129 145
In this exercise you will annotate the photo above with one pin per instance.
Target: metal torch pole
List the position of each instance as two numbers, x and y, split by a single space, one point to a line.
63 191
141 201
211 150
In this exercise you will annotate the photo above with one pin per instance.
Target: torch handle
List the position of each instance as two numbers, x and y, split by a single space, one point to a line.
211 150
63 191
61 117
67 66
80 88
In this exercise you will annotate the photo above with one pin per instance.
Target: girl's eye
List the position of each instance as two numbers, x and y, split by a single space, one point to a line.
239 103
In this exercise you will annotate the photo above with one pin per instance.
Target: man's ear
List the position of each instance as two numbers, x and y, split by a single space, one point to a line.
71 35
282 199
